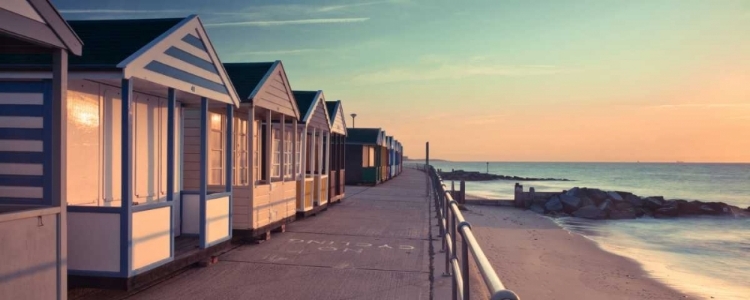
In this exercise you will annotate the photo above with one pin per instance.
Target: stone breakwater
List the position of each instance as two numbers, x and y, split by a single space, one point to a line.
598 204
477 176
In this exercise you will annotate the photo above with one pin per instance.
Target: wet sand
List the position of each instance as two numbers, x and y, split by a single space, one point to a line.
539 260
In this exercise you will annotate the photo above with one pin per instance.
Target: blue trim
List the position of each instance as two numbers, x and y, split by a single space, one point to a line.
191 59
95 209
21 133
218 195
152 266
49 153
12 200
22 157
151 205
26 87
194 41
263 81
191 192
22 180
21 110
126 215
221 240
96 273
203 171
229 148
188 77
171 102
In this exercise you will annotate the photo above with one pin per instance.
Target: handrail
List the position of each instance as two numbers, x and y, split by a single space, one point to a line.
452 224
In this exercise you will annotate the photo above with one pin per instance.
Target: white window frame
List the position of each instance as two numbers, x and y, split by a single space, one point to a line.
216 151
288 153
275 153
241 159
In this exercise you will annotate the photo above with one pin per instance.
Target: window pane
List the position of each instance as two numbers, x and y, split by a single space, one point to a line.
83 148
216 121
215 177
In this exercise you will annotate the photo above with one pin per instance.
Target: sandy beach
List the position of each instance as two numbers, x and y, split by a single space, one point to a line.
539 260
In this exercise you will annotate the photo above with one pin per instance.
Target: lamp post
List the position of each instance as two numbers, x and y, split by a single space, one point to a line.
353 116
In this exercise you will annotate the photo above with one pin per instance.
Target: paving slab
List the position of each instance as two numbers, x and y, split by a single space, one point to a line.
373 245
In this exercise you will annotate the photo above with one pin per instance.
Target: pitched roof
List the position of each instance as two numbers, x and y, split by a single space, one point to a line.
331 107
363 136
38 22
305 99
246 77
108 42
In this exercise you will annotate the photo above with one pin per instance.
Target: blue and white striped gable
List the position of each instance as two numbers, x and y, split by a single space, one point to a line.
25 142
183 58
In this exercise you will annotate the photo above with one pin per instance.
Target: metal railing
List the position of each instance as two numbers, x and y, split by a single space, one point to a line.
452 224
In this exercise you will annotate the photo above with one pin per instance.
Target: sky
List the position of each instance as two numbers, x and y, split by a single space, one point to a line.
599 80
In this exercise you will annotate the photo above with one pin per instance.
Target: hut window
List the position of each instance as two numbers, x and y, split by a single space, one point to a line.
216 149
309 154
84 148
298 153
276 166
241 176
287 154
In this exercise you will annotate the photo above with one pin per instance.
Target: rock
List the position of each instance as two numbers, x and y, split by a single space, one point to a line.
597 195
586 201
537 208
624 206
590 212
576 192
570 203
635 200
653 203
707 209
553 204
691 208
615 196
622 214
666 212
606 206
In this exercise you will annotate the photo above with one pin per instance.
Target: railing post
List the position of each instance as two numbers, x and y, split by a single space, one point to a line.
465 266
454 237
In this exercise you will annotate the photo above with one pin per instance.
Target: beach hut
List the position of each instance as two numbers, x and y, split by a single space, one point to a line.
382 151
390 143
363 155
268 201
399 158
130 218
32 156
315 125
338 150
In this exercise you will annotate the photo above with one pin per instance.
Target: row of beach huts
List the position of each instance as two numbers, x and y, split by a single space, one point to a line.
129 151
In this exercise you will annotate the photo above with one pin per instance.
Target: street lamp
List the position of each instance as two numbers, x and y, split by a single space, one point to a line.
353 116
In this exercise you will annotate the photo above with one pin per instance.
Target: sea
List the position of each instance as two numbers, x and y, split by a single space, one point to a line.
704 256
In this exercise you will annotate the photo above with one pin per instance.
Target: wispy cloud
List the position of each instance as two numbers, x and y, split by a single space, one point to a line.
455 71
280 52
347 6
288 22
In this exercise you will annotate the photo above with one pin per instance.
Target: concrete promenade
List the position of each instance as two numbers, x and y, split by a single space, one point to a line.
373 245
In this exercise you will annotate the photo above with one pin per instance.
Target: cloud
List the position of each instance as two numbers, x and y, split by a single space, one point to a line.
455 71
280 52
288 22
346 6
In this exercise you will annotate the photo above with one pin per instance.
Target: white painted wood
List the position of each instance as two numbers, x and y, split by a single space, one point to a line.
151 236
21 122
94 242
27 246
191 214
21 146
168 60
31 192
21 98
22 7
21 169
182 45
217 219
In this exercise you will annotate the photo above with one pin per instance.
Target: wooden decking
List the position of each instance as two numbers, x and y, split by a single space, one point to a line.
373 245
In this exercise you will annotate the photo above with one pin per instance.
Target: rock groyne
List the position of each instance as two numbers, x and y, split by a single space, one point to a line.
478 176
589 203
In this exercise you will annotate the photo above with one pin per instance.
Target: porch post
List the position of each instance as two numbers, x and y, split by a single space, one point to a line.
229 149
58 193
282 159
171 102
126 215
269 151
203 184
294 150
